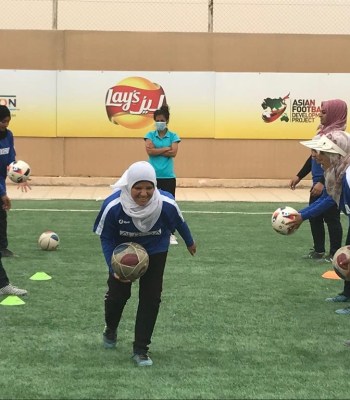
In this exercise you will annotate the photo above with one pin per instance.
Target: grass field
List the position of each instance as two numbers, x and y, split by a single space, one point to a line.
243 319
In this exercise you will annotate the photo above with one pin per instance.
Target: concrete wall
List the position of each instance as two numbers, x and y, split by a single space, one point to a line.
197 158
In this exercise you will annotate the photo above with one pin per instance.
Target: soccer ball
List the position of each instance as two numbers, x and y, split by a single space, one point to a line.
18 171
129 261
340 255
49 240
279 219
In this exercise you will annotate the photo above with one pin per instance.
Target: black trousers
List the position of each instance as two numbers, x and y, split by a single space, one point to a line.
150 290
4 280
3 227
167 184
332 218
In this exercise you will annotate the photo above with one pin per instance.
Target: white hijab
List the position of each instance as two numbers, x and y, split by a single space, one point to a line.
143 217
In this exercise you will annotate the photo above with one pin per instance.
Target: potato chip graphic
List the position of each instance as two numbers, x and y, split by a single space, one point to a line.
133 101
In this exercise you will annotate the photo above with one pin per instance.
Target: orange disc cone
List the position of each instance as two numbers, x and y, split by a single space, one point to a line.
330 275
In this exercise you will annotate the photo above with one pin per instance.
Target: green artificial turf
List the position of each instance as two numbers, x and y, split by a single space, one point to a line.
243 319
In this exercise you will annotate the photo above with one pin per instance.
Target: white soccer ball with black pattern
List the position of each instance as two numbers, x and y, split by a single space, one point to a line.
341 255
279 220
130 261
49 240
18 171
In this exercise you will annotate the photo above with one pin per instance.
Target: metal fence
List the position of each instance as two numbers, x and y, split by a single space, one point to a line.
231 16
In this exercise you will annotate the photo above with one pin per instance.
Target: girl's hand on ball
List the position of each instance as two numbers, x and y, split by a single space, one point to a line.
295 222
119 279
24 186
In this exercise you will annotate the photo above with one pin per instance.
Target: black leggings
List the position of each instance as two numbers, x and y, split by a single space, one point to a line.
4 280
150 290
3 227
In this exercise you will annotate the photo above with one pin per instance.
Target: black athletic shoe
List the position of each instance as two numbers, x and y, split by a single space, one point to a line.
109 339
313 255
142 360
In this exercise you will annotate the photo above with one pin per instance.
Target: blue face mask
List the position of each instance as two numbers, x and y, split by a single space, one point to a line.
160 125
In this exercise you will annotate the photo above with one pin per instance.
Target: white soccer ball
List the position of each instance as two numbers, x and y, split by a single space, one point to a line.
130 261
279 220
49 240
341 255
18 171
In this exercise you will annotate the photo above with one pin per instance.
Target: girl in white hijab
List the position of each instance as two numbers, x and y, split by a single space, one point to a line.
333 116
138 212
145 216
332 151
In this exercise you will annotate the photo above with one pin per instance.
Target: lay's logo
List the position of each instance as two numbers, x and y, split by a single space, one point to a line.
132 102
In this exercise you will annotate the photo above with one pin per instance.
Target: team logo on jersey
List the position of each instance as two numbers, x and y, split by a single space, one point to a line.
157 232
6 150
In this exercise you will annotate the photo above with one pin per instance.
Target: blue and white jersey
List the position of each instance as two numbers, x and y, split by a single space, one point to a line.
326 201
114 227
7 155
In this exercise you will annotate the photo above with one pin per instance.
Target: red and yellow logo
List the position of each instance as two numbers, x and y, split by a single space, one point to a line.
132 102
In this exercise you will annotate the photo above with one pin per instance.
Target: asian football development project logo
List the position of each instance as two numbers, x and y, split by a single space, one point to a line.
133 101
274 109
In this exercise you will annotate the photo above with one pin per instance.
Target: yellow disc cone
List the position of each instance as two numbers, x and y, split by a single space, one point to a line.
40 276
12 301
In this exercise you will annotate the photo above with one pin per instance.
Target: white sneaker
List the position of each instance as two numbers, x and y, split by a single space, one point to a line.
173 239
10 289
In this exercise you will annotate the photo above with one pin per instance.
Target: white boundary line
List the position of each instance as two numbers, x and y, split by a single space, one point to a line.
184 212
